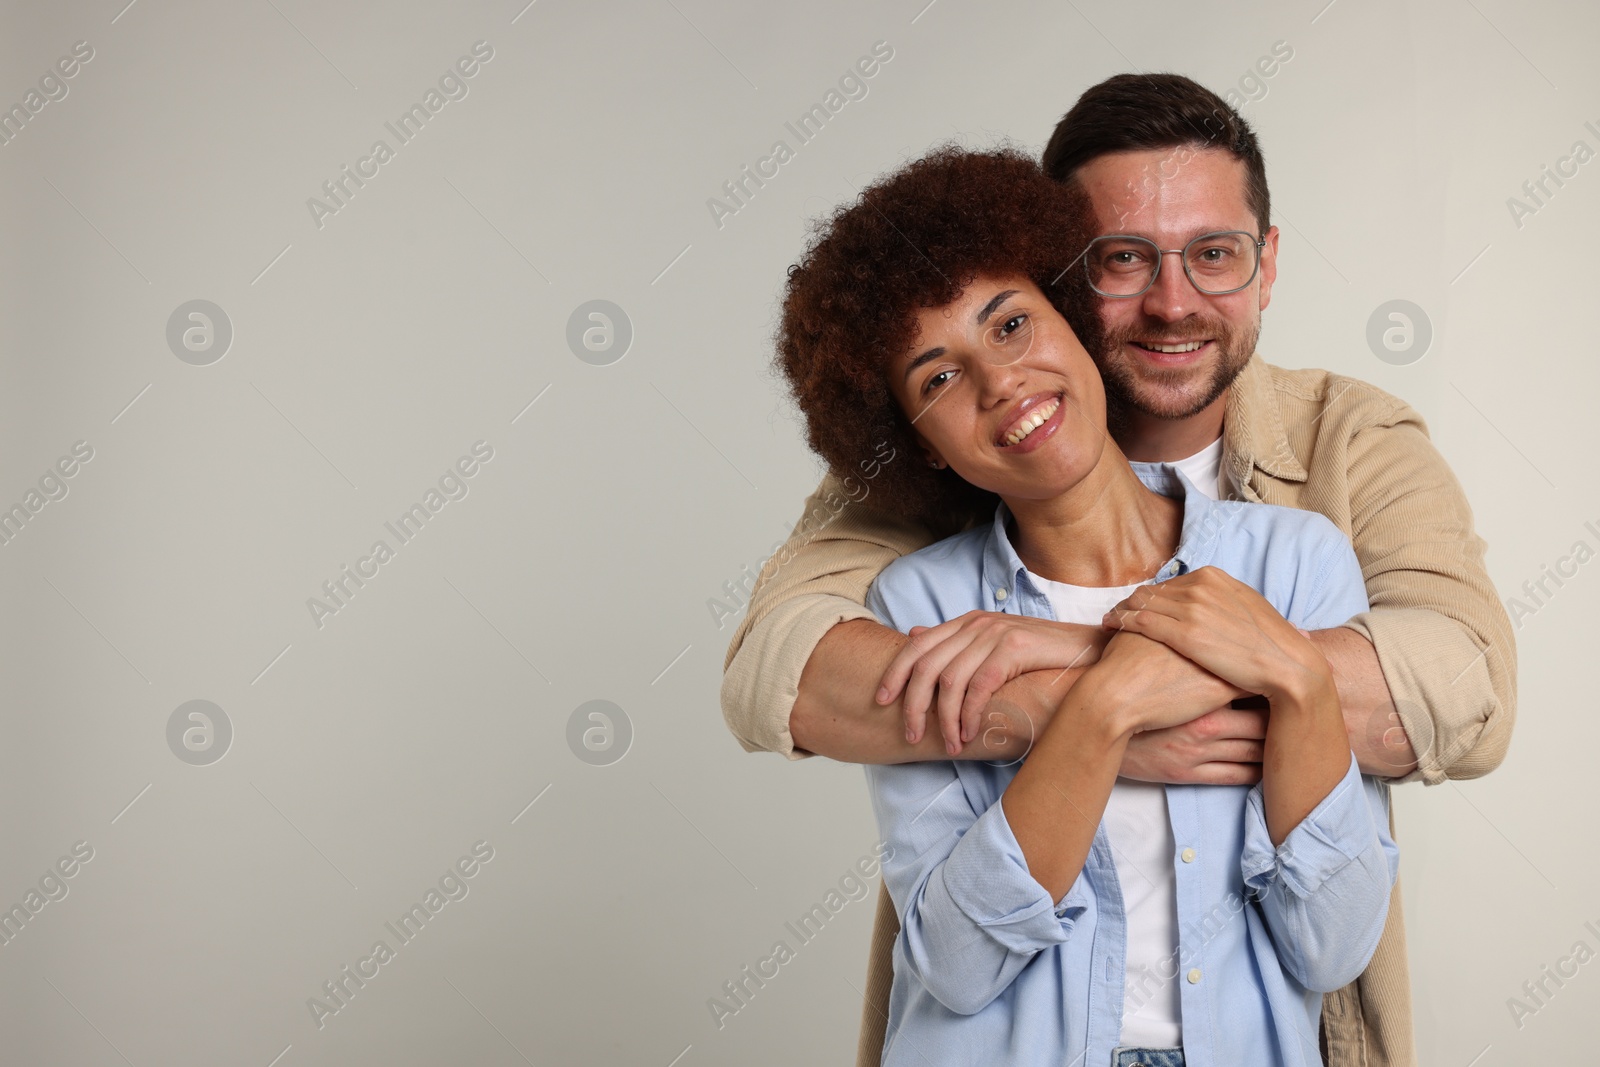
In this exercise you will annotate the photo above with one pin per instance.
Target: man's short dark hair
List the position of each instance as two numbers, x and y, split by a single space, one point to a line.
1131 112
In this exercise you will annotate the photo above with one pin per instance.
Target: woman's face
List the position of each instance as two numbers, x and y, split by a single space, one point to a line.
982 372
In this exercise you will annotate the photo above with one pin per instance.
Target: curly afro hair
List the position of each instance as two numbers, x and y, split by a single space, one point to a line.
915 239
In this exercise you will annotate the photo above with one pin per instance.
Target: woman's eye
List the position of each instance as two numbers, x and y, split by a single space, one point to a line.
1012 324
934 382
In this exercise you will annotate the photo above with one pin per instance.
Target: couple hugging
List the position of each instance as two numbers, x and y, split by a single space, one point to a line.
1131 630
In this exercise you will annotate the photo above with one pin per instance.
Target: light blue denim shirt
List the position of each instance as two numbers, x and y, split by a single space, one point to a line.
989 969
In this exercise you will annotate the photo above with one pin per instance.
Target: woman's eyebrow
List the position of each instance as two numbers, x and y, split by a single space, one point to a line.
930 354
982 317
988 309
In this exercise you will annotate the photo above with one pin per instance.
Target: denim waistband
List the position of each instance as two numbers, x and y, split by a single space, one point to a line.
1147 1057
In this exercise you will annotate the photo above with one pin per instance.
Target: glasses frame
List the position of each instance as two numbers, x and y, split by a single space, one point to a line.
1161 254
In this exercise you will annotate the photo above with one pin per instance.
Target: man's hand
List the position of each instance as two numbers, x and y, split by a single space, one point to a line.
1221 747
969 658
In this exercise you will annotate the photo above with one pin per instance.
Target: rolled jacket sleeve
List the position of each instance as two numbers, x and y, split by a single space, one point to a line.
816 580
1442 636
1324 892
971 915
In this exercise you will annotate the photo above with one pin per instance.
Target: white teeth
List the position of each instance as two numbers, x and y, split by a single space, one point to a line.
1032 421
1173 350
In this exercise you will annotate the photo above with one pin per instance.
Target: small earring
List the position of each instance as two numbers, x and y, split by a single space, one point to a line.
936 465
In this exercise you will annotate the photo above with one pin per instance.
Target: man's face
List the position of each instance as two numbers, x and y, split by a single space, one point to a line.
1171 351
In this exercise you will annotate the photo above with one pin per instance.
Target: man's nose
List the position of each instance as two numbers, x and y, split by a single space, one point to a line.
1172 297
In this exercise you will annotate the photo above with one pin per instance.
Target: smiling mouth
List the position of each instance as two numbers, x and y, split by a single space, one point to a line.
1037 417
1170 350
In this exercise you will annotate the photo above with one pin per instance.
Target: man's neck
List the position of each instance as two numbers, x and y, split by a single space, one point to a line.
1147 439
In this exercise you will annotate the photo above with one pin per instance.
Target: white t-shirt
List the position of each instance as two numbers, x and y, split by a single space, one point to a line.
1140 830
1204 469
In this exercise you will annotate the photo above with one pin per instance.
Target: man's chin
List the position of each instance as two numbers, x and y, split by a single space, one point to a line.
1169 406
1167 394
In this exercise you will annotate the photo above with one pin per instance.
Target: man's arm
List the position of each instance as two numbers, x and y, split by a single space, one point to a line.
1377 736
815 581
836 713
1437 629
803 667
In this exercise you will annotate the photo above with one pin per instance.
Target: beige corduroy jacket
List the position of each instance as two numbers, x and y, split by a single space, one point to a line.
1300 438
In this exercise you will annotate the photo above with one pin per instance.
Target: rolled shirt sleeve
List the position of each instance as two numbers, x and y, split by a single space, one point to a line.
971 915
1324 892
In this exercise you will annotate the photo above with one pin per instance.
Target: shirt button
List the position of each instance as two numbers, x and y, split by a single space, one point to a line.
999 594
1194 975
1188 855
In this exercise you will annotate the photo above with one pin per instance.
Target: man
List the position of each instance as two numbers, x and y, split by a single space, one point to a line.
1426 678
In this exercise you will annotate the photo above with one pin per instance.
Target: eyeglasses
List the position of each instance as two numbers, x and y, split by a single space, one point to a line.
1121 265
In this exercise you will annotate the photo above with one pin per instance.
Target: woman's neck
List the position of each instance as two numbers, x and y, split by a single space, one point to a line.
1108 529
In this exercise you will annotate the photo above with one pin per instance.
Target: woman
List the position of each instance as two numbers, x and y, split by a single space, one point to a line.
1051 912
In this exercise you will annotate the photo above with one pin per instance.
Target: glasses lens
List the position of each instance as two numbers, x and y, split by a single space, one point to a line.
1221 262
1121 266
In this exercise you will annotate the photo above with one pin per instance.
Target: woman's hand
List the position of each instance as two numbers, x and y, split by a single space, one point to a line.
1226 627
1140 684
970 657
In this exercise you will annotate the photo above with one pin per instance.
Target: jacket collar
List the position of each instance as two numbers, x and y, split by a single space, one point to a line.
1252 429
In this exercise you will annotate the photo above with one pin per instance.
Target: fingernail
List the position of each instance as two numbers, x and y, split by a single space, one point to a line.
883 694
910 736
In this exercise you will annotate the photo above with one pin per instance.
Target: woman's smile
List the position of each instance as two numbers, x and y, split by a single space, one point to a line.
1032 423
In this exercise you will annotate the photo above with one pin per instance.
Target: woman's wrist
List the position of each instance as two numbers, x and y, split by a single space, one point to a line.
1307 690
1094 706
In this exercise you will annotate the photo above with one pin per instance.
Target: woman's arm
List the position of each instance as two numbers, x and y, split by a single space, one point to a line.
1318 856
1324 890
980 894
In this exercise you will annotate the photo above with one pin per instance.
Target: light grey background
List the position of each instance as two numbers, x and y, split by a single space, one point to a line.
371 352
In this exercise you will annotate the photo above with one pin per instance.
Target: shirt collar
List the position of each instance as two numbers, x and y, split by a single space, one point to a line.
1006 584
1252 428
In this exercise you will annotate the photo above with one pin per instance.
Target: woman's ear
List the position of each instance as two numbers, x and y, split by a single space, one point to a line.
931 454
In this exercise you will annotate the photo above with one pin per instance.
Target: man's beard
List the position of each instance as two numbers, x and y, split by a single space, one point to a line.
1150 392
